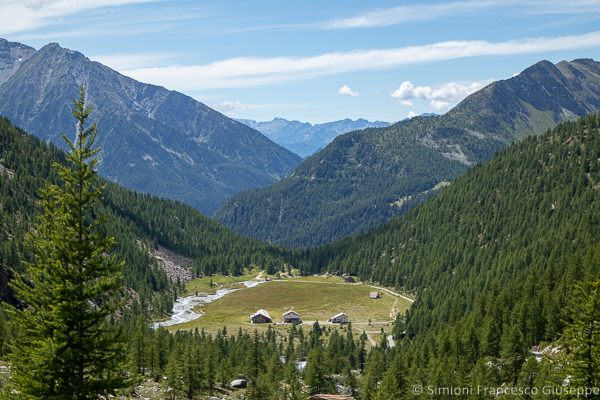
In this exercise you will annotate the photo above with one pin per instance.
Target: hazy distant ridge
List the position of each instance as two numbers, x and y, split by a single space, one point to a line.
304 138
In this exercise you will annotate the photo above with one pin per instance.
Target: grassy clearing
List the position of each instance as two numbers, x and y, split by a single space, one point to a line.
317 299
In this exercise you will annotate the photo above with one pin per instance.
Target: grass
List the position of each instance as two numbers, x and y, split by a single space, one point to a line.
315 298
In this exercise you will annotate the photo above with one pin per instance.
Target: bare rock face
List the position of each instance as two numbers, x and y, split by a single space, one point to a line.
330 397
175 265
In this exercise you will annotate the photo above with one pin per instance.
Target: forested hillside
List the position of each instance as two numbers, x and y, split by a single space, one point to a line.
365 178
138 222
493 259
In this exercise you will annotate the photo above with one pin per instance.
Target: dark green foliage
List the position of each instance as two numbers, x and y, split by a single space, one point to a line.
581 337
492 261
347 188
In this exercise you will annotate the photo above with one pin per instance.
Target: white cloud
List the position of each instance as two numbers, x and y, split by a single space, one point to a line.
252 71
442 106
452 91
398 15
406 103
23 15
412 114
347 91
228 107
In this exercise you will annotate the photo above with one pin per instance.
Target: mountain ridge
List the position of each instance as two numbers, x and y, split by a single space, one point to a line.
154 140
345 190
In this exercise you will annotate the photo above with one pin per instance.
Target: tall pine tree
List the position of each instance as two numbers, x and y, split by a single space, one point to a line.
67 349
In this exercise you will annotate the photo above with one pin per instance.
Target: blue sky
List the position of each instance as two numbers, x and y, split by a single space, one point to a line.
314 61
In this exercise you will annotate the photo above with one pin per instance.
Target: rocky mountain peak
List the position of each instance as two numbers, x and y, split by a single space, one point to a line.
12 56
153 139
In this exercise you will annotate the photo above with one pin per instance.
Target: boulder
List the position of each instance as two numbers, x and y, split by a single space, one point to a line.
239 384
241 376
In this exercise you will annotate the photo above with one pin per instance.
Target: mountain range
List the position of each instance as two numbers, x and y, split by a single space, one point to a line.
364 178
153 139
304 138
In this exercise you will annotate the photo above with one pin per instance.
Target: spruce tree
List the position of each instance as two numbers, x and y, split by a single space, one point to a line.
581 337
66 349
394 386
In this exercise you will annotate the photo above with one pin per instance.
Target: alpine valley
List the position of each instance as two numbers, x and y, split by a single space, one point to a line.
489 279
153 139
364 178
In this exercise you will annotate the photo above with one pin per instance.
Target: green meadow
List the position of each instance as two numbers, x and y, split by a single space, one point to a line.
315 298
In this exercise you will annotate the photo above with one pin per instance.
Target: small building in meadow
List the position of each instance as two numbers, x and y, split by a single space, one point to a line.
260 317
375 295
340 318
291 317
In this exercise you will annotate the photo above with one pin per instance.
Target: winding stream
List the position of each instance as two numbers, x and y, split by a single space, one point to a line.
182 309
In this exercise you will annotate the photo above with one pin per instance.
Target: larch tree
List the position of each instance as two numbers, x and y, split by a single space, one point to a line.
67 348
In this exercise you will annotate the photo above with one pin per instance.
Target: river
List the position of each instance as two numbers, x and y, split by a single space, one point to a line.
182 309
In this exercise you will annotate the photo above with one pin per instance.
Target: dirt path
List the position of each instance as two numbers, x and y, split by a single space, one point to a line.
392 293
373 343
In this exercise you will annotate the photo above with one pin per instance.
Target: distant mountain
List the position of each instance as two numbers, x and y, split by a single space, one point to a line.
364 178
153 139
305 139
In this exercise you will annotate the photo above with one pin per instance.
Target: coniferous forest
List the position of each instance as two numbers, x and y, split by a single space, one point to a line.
505 258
